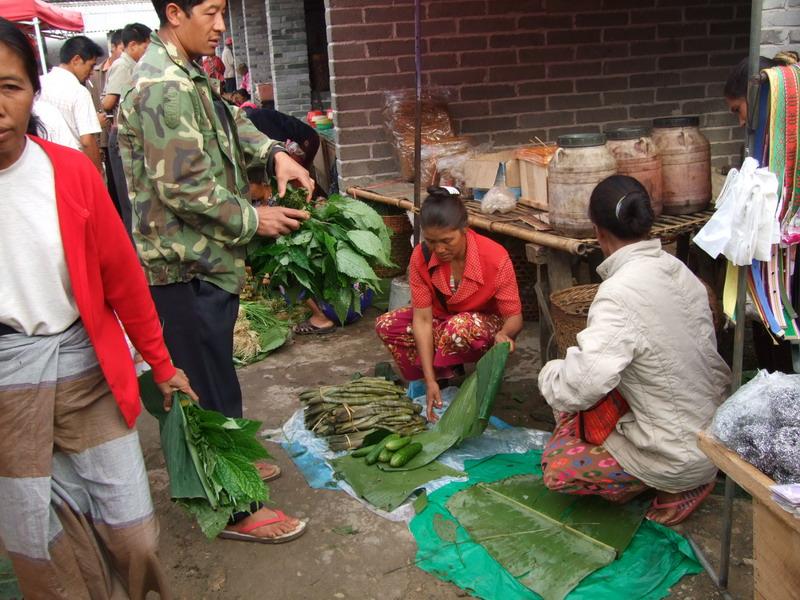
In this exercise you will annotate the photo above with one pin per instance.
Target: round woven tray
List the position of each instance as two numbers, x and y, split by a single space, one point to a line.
401 231
569 310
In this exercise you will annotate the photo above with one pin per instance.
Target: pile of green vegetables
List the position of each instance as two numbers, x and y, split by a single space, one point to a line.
209 459
330 256
258 331
346 414
394 449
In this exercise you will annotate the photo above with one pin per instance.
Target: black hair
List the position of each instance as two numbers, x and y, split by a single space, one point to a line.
185 5
81 46
19 43
736 85
256 175
243 93
115 37
135 32
621 205
443 210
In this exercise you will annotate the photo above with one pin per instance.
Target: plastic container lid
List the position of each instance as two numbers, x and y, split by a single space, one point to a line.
627 133
666 122
581 140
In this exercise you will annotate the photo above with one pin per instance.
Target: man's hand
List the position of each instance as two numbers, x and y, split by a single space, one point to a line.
275 221
103 118
501 337
177 383
434 398
287 169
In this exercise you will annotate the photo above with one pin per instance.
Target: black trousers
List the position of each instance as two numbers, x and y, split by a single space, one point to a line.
120 184
198 320
229 84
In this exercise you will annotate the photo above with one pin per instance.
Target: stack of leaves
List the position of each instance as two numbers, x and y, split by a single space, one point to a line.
348 413
329 258
293 198
258 331
209 459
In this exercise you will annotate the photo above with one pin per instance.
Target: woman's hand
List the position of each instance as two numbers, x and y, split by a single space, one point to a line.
177 383
434 398
501 337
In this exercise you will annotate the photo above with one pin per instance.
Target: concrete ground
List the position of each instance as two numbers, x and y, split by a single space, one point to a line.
349 552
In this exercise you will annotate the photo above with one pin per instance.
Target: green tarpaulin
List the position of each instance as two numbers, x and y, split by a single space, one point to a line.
655 559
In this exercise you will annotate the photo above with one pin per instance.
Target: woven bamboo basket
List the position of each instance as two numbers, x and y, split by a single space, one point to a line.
569 310
401 231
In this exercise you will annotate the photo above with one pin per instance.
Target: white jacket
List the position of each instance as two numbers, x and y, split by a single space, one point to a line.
650 334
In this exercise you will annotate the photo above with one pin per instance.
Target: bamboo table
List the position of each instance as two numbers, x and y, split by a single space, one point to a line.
556 256
776 533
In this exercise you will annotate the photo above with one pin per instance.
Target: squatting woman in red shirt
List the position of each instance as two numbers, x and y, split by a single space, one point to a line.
464 298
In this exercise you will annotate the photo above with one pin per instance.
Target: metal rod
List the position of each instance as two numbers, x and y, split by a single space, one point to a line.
417 119
40 44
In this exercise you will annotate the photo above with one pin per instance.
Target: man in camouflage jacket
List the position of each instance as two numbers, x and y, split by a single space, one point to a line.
186 153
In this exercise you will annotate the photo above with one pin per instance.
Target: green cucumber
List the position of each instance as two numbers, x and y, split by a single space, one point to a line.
395 445
385 455
402 456
372 457
363 451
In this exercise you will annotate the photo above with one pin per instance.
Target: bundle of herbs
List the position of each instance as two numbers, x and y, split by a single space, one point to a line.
348 413
258 331
329 258
209 459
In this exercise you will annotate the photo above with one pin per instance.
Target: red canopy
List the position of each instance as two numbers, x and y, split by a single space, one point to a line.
51 17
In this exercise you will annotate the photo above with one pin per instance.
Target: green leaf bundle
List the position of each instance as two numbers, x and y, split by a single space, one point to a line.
331 256
258 332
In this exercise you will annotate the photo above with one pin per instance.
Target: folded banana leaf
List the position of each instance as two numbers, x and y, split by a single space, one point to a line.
548 541
468 413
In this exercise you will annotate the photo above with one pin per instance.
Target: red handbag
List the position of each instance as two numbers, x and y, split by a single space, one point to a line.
597 423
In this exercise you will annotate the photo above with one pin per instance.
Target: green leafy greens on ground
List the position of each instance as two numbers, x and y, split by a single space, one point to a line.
330 256
258 331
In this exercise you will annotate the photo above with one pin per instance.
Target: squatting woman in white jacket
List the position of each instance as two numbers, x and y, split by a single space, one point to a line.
645 377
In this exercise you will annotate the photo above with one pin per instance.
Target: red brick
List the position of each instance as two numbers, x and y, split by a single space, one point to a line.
573 36
683 92
349 85
486 25
623 4
357 33
562 6
391 48
684 61
572 101
601 19
574 69
706 105
371 66
461 110
358 152
630 97
705 75
488 124
606 50
389 82
631 65
546 55
361 135
518 105
710 13
682 30
384 150
546 87
346 16
601 84
656 16
486 92
430 62
654 111
358 101
388 14
643 80
345 51
430 29
371 168
504 7
547 119
463 8
602 115
376 116
488 58
741 42
517 39
350 119
516 73
725 59
458 77
707 44
625 34
545 22
729 28
455 44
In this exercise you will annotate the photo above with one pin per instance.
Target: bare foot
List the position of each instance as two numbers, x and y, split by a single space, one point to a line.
267 471
272 530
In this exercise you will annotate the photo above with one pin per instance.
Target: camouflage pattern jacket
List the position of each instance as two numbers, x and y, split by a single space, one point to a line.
185 158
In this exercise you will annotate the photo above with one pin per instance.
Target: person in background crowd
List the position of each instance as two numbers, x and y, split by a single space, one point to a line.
76 518
229 73
242 99
96 84
464 298
244 73
63 88
645 376
186 156
213 67
135 40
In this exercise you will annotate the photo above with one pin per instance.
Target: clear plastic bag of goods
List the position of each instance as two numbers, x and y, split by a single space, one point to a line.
399 120
761 423
432 152
498 199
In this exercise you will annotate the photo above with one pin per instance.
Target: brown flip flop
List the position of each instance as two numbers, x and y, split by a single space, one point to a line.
687 504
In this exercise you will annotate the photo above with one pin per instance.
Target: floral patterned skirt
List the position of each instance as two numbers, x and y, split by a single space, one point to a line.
463 338
572 466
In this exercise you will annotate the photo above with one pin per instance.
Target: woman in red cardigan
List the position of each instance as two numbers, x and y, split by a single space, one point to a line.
72 476
464 298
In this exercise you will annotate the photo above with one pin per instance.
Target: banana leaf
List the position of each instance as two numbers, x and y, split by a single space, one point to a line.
383 489
548 541
9 588
467 414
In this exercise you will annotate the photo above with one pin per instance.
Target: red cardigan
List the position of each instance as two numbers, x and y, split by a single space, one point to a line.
107 279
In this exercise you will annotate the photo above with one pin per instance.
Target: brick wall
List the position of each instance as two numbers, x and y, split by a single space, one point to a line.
236 30
527 68
287 47
780 26
257 34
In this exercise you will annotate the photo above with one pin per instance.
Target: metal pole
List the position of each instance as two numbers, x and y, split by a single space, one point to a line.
417 120
40 44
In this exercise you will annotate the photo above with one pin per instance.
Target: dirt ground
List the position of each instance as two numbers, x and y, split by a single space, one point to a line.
348 551
374 559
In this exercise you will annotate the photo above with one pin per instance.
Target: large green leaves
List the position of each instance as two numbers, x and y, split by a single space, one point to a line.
351 263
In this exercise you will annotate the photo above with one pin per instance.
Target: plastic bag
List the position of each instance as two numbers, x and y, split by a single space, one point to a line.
761 423
432 152
498 199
